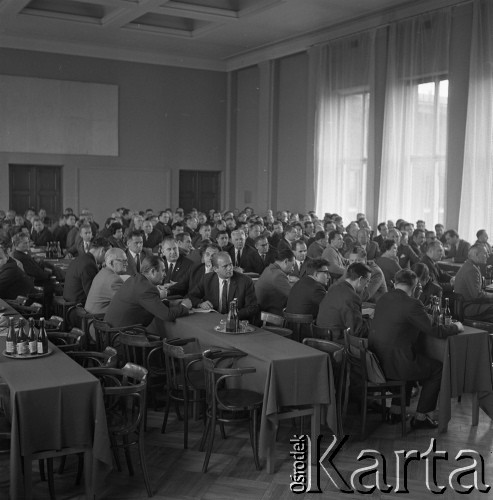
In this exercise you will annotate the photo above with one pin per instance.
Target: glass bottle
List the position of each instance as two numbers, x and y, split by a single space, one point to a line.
231 320
32 338
447 315
10 344
42 338
22 347
435 311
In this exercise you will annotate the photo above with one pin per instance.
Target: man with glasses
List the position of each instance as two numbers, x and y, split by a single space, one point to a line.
341 306
218 289
309 291
107 282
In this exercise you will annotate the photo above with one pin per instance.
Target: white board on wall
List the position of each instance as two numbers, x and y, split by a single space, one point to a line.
103 190
58 117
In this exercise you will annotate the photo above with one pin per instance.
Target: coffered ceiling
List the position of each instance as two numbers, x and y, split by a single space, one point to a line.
213 34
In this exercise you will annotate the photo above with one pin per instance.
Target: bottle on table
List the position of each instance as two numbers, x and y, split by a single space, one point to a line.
58 250
447 315
232 321
436 313
22 347
10 344
32 338
42 338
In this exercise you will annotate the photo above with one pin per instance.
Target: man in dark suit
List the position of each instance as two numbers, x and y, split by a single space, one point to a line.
399 319
308 292
218 289
40 235
371 247
290 236
383 231
136 253
163 224
341 306
177 268
152 237
300 259
13 281
82 270
458 249
38 273
139 299
434 253
82 242
244 257
207 250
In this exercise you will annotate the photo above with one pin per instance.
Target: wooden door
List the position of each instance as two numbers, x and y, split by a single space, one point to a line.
200 189
36 186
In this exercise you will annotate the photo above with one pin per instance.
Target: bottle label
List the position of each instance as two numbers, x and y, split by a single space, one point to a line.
9 347
33 347
22 348
40 348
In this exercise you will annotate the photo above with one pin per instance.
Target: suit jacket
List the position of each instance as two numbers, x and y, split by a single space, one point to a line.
468 283
438 276
164 228
305 297
42 238
389 268
153 239
77 248
78 278
395 329
137 302
407 257
300 272
132 265
250 260
116 243
181 274
283 244
104 285
315 250
337 263
341 308
13 281
460 252
196 275
240 287
31 267
379 240
372 250
272 289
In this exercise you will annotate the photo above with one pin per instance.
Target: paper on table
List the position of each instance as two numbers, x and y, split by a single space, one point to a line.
368 312
199 310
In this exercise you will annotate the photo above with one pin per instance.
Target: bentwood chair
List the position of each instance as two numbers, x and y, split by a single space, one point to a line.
359 361
300 324
275 324
124 392
185 382
226 405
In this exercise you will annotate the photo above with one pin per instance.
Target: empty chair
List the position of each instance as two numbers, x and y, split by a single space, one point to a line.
275 324
61 308
227 405
185 382
360 362
91 359
338 360
124 392
68 341
301 324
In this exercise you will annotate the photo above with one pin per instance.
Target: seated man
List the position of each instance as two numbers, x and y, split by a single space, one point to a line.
383 231
300 259
337 263
399 319
434 253
13 281
106 283
82 270
244 257
222 239
308 292
416 242
82 242
40 235
177 268
478 304
341 306
458 249
198 271
377 285
316 249
139 300
218 289
184 242
371 247
482 239
136 253
37 272
152 236
273 286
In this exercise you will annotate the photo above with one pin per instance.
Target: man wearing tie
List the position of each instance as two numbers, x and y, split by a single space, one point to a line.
218 289
82 242
177 267
135 252
242 256
301 260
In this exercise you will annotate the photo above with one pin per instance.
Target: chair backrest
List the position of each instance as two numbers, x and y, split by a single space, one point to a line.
219 368
54 324
458 306
137 348
92 359
68 341
181 356
364 360
271 319
106 335
322 332
301 324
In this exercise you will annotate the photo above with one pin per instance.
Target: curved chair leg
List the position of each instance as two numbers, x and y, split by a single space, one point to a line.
254 423
114 448
166 413
143 464
205 433
210 442
185 419
128 457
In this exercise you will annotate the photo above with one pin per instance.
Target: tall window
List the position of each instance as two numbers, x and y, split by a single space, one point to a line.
343 104
413 174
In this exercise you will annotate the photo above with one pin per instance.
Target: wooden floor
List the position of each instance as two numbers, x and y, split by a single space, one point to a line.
176 473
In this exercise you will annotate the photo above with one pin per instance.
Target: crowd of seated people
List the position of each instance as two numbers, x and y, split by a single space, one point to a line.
301 263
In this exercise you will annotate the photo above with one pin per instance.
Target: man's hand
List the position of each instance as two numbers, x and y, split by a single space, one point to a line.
187 303
205 305
163 291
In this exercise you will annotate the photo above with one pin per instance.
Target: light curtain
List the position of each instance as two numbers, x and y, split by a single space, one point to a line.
476 205
344 74
413 170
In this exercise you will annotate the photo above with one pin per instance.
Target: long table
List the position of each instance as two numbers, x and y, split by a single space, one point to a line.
56 404
466 369
287 373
